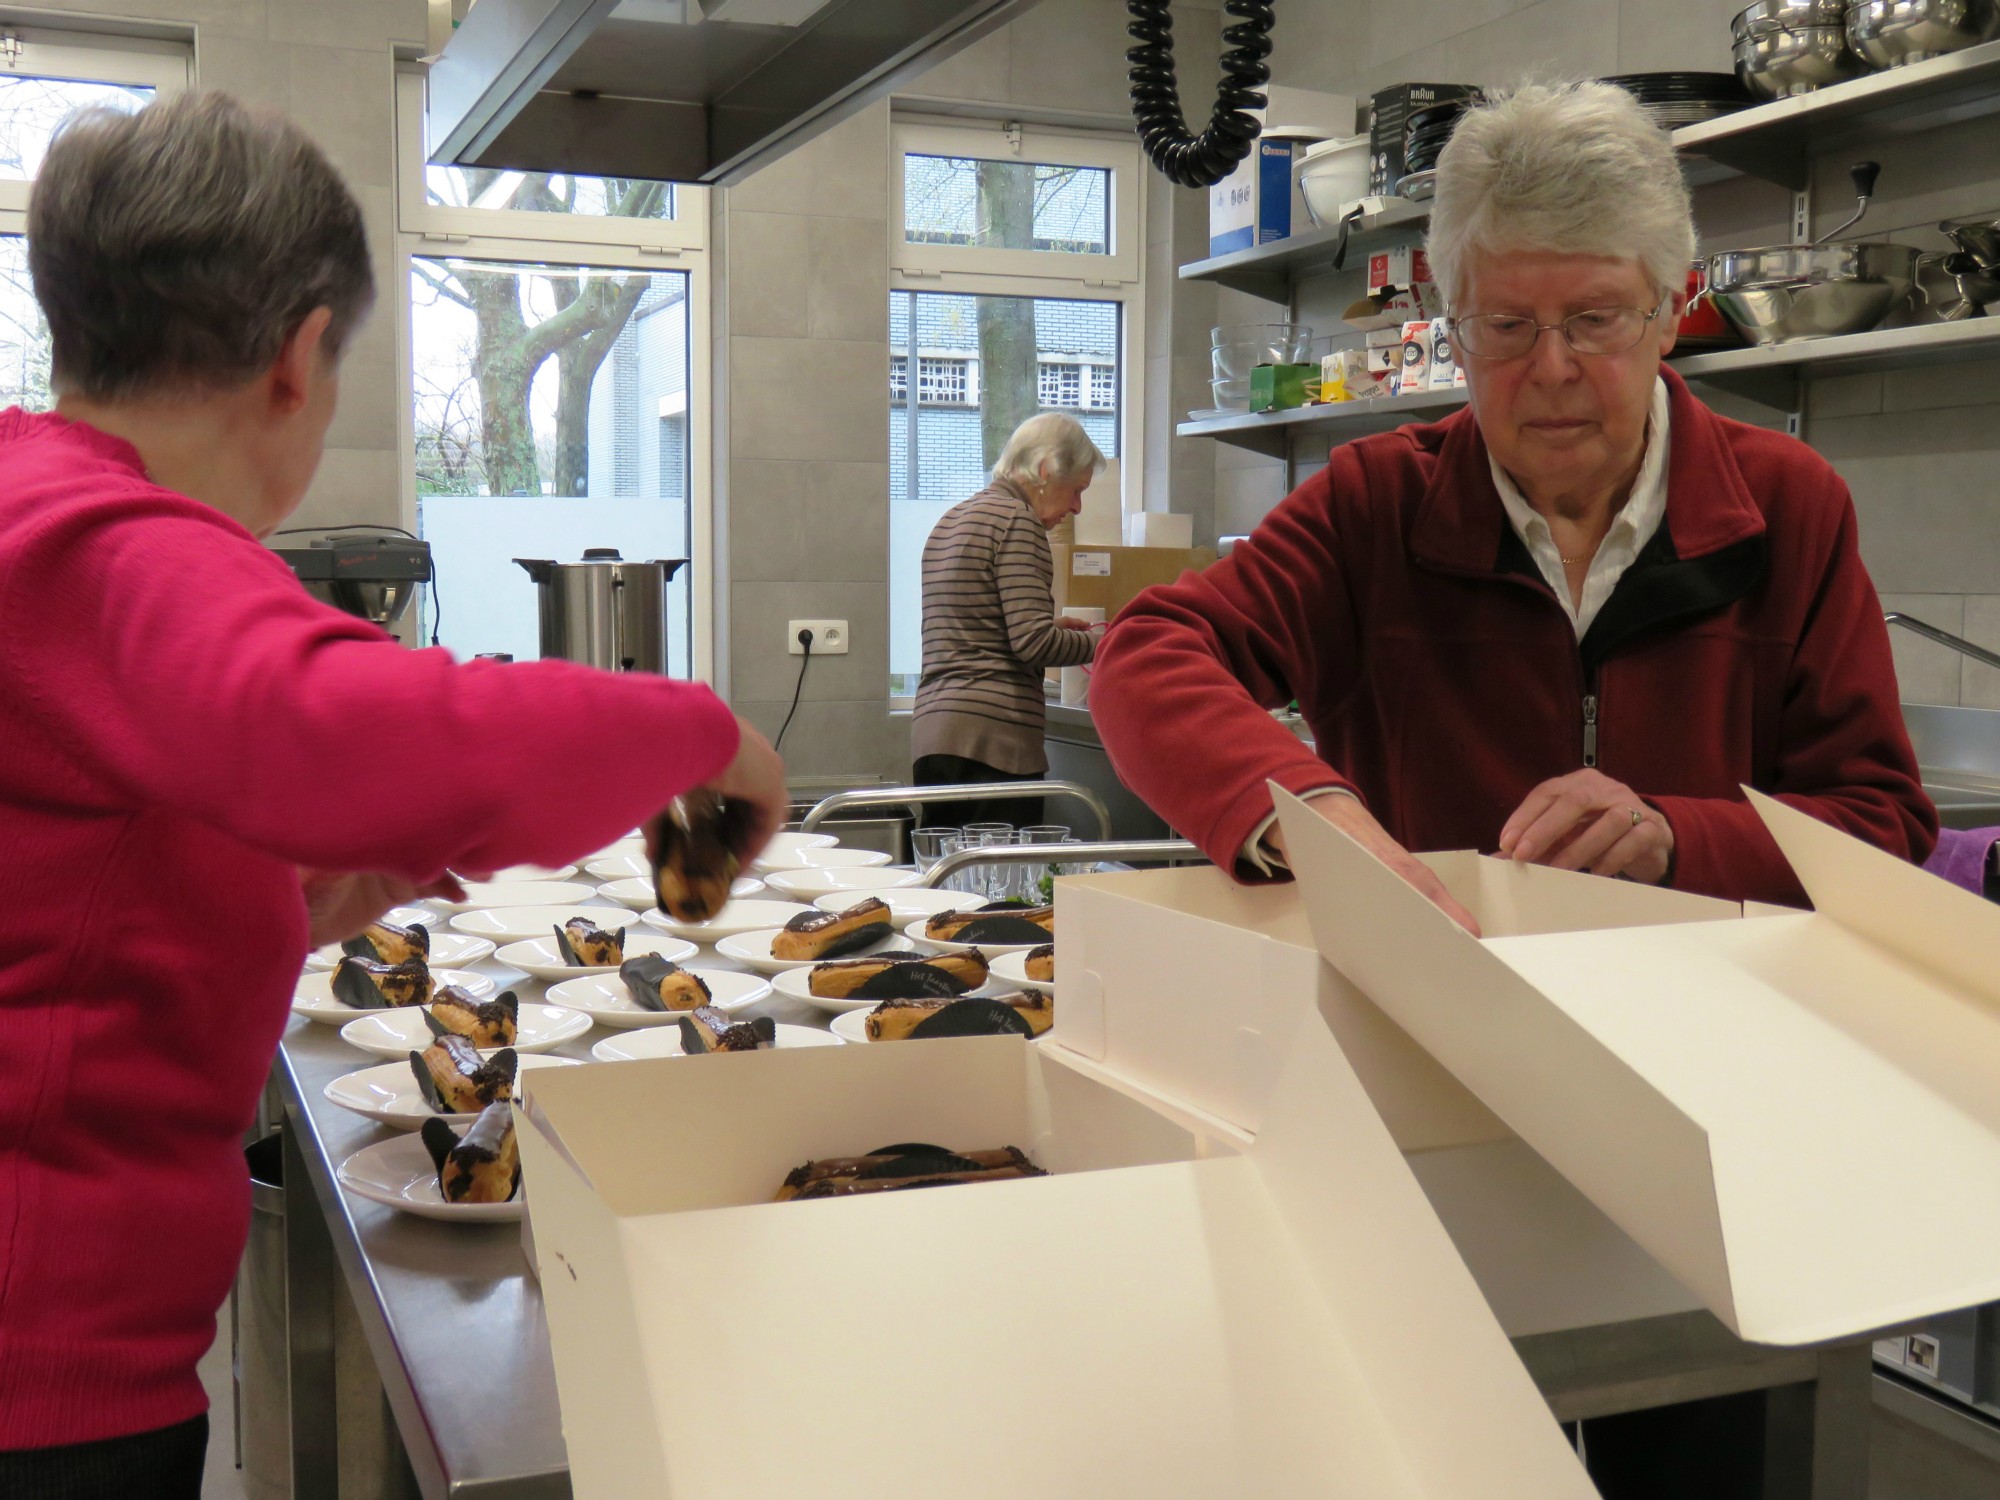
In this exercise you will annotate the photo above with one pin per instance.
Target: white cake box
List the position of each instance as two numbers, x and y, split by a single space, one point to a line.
1798 1115
1154 1320
1178 986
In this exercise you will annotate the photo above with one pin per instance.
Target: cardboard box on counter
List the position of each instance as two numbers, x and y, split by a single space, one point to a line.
1109 578
1163 1317
1791 1113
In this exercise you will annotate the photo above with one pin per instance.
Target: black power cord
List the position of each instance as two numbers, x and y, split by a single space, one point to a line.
805 641
1198 161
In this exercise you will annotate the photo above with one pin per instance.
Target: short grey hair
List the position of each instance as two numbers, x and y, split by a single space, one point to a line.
1579 168
175 249
1049 449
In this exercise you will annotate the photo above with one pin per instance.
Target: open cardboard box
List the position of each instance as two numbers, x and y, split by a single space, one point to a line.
1182 988
1798 1115
1154 1319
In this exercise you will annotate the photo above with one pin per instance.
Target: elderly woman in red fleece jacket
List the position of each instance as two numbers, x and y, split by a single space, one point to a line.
1568 623
187 732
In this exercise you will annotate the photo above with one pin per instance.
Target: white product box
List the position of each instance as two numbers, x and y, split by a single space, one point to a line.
1415 371
1259 201
1158 528
1767 1106
1160 1318
1444 370
1398 269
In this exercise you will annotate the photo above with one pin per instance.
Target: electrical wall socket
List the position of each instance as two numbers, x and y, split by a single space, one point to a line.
829 637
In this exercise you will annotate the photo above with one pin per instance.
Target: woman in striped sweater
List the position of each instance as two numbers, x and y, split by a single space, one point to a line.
990 625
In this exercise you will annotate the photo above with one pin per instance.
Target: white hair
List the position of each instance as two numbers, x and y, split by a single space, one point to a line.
1579 169
1049 449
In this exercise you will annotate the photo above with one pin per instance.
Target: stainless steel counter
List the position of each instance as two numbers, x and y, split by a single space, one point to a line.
442 1325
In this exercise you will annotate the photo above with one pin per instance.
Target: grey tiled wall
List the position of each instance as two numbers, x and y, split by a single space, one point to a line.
1919 448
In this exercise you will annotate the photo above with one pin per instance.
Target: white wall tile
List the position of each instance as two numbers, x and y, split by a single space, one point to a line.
1980 684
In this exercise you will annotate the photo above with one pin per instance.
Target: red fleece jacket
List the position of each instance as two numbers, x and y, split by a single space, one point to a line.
182 727
1442 680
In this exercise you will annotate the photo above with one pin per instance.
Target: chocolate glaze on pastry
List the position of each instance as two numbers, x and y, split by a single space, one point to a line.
826 934
367 984
456 1080
706 1029
660 984
699 839
1020 1014
386 943
888 976
483 1165
908 1166
585 945
1041 963
1027 925
484 1023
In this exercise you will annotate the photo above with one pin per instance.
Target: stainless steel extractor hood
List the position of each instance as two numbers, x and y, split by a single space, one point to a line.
683 90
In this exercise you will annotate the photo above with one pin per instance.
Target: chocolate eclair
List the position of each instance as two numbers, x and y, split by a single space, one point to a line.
706 1029
1031 924
826 934
907 1166
481 1166
367 984
898 976
386 943
701 835
1041 963
659 984
1020 1014
585 945
484 1023
456 1080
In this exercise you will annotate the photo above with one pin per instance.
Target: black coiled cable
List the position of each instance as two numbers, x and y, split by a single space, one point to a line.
1198 161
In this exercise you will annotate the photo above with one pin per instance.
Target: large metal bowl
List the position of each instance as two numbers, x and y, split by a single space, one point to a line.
1892 33
1786 15
1782 293
1978 237
1787 60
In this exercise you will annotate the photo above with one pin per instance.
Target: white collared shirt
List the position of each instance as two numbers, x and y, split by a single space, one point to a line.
1634 526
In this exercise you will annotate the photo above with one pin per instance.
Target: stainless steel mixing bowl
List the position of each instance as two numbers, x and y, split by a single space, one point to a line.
1781 293
1787 60
1977 237
1892 33
1786 15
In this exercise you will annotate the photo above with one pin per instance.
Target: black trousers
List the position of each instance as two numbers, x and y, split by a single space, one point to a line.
1698 1450
164 1464
953 770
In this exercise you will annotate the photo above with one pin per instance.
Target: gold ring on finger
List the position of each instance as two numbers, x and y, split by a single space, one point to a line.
1637 816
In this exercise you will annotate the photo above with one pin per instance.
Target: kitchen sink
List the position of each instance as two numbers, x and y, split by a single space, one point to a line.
1958 752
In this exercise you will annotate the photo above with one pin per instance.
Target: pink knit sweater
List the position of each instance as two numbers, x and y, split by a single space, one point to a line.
181 727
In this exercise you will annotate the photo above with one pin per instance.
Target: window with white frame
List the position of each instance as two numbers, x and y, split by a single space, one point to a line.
45 76
1017 268
556 400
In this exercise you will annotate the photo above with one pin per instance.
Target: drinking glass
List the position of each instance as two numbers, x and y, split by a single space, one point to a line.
995 878
927 846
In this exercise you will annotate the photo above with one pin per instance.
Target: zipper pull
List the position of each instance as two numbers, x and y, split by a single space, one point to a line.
1589 730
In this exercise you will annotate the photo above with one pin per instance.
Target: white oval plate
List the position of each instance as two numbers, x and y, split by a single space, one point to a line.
786 846
637 891
638 867
904 902
388 1094
666 1042
512 923
540 958
399 1174
314 1000
534 872
794 984
449 950
1011 969
604 999
486 893
753 950
398 1033
915 933
827 856
852 1026
810 885
735 917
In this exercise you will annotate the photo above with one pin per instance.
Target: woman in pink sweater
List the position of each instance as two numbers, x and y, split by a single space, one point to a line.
204 772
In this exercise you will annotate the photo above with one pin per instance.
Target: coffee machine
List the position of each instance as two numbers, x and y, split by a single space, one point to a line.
372 572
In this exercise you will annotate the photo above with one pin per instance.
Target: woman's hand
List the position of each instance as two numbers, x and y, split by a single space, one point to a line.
340 904
1587 821
755 779
1070 622
1353 818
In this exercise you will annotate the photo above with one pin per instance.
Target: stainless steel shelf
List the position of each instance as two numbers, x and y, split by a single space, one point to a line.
1272 432
1269 271
1777 141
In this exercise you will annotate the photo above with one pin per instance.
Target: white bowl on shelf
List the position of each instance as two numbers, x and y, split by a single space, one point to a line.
1331 177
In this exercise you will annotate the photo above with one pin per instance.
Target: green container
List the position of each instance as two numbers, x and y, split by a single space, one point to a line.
1280 387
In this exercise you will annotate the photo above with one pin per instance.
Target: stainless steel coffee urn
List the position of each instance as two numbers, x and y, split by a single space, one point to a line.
604 611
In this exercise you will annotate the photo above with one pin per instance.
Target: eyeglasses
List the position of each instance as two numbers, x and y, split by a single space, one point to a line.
1595 330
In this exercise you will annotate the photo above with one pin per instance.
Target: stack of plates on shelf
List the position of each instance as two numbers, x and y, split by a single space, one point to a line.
1424 136
1677 99
1418 187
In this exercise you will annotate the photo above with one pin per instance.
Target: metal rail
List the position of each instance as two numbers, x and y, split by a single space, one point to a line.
978 791
1061 854
1943 637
